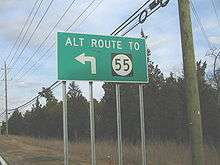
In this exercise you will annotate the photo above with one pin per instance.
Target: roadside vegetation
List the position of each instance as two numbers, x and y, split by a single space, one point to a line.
19 150
165 118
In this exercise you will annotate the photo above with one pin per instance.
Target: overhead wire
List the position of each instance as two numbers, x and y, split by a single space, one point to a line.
22 29
125 22
130 19
137 23
35 29
52 87
34 98
26 31
54 43
1 114
30 101
48 35
215 11
34 66
115 32
201 25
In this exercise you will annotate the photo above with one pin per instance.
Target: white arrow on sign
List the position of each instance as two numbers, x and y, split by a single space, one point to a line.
82 58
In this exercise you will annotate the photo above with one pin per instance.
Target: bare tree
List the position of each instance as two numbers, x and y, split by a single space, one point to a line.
215 54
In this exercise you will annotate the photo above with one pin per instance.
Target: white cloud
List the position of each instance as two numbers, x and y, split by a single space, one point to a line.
160 40
215 40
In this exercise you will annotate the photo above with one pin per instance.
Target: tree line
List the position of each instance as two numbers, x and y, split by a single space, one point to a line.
165 111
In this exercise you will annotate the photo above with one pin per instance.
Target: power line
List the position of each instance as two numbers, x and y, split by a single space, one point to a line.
44 54
34 65
2 113
39 59
137 23
54 43
116 31
80 15
149 11
51 2
215 10
25 33
123 24
25 24
200 25
19 45
53 86
49 34
33 99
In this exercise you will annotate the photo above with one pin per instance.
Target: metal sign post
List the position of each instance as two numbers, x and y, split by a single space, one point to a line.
143 140
92 123
119 132
65 126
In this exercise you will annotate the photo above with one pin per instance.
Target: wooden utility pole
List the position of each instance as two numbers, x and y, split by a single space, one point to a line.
191 83
6 100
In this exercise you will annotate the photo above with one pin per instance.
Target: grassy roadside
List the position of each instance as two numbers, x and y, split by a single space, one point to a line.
30 151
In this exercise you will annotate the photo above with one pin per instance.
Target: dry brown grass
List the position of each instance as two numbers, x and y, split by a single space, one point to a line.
30 151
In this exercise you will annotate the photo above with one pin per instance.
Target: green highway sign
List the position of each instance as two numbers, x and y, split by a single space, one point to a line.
101 58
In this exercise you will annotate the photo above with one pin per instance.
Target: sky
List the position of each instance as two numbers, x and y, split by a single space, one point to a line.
162 29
